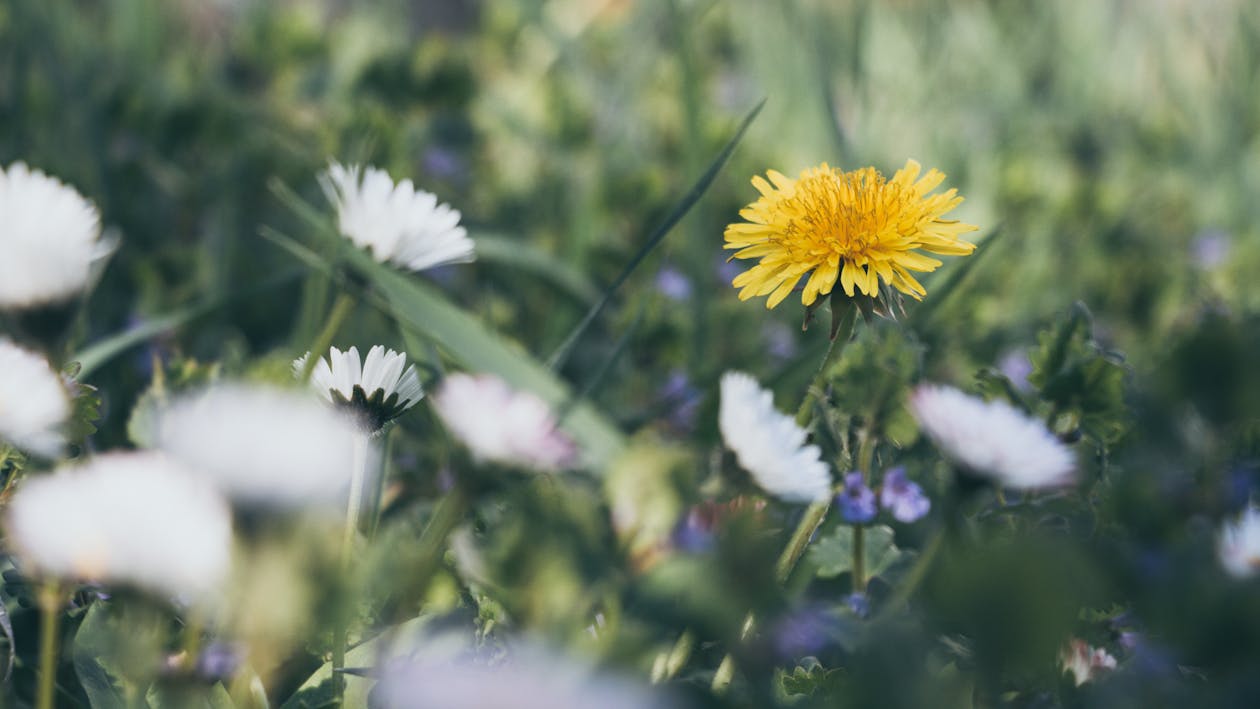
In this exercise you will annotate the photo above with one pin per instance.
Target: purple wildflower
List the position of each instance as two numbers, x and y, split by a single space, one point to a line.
673 284
1014 365
1210 249
859 603
803 632
902 498
856 501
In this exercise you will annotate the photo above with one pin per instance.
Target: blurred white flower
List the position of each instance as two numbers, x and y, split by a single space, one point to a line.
769 444
993 439
1085 663
49 238
1239 544
34 403
377 390
125 518
502 425
529 679
262 446
397 223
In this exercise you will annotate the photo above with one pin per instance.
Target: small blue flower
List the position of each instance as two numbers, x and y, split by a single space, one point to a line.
803 632
856 501
673 284
780 340
859 603
683 398
220 660
902 498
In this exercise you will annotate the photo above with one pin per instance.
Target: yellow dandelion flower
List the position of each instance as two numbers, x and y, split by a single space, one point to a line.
855 227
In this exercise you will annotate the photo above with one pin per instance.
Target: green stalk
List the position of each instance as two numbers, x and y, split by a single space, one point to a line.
813 517
340 311
446 517
341 631
859 559
917 573
378 492
50 618
866 456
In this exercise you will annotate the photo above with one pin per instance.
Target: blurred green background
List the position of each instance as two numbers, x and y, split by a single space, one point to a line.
1110 149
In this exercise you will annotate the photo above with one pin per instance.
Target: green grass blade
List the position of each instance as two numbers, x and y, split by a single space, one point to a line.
938 294
676 214
419 307
593 383
102 351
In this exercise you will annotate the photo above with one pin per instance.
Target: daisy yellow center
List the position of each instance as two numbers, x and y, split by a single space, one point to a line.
853 227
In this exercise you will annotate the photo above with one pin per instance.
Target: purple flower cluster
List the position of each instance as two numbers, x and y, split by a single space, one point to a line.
903 498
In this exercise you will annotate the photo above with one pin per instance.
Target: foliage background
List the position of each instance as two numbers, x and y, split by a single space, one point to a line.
1111 146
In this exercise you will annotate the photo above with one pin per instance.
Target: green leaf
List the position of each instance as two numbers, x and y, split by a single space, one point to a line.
316 691
832 555
658 235
93 645
189 697
6 625
1082 382
809 680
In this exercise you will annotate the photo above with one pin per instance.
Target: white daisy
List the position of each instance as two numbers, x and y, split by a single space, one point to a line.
993 439
769 444
49 238
377 391
1084 662
262 446
1239 544
397 223
502 425
34 403
125 518
530 678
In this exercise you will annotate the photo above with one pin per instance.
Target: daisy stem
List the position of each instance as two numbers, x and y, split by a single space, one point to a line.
378 491
358 472
342 307
341 632
50 618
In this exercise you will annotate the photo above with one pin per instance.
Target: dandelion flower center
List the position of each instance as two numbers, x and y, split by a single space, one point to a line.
854 227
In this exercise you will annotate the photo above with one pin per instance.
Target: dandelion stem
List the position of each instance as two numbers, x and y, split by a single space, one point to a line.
50 618
341 309
805 412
